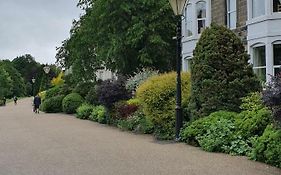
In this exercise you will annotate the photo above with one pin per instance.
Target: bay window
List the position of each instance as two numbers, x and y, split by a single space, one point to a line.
201 16
276 5
258 7
277 58
259 63
188 20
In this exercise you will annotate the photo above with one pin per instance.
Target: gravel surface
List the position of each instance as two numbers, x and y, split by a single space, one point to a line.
59 144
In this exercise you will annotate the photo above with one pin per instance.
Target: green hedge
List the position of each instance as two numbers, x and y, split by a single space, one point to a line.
158 98
71 102
52 104
98 114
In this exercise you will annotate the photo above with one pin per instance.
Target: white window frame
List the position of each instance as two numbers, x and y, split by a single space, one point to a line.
201 19
229 12
253 57
275 66
188 20
252 10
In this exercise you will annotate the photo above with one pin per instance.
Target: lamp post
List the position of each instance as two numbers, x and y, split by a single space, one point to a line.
178 6
47 70
33 81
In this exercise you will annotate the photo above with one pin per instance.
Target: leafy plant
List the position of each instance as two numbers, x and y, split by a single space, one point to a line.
83 88
220 73
158 99
99 114
84 111
92 97
122 110
71 102
52 104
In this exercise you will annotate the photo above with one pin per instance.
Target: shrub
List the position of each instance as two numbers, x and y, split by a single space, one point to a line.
267 148
98 114
192 130
271 96
252 102
111 91
54 91
220 73
71 102
53 104
83 88
134 101
137 123
133 82
84 111
158 98
92 97
122 110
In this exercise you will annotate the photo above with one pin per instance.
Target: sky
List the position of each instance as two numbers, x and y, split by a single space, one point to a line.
35 27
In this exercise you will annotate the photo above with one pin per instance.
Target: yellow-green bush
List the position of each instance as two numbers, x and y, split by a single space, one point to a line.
158 98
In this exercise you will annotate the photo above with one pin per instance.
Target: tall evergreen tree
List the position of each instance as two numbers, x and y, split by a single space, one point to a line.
220 72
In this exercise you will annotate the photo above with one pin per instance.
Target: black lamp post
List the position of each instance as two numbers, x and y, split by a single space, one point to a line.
178 6
47 70
32 81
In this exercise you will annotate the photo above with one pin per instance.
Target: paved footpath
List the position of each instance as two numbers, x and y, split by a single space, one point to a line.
58 144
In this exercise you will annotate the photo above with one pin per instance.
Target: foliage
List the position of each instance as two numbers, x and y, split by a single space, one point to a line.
192 130
220 73
111 91
271 97
267 148
84 111
252 123
83 88
133 82
252 102
122 110
122 36
17 82
134 101
137 123
92 97
52 104
54 91
99 114
5 83
71 102
158 98
56 81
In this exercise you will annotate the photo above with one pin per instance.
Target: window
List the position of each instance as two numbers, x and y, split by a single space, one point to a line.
259 62
258 8
201 15
276 5
187 64
188 20
231 14
277 58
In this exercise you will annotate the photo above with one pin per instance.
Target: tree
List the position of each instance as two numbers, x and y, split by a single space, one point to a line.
18 85
220 73
123 36
5 83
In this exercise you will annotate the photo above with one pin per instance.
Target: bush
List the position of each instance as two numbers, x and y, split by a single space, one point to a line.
84 111
220 73
267 148
71 102
133 82
122 110
52 104
92 97
99 114
158 98
252 102
137 123
83 88
54 91
111 91
271 96
192 130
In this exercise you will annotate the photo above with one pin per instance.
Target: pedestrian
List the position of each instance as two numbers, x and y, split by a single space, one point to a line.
37 103
4 101
15 99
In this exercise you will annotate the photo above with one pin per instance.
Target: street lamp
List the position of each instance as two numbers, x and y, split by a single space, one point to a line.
33 81
47 70
178 6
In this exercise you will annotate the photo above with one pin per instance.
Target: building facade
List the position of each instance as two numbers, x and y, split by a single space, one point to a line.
256 22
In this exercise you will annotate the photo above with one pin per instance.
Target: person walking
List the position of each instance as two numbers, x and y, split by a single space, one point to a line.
37 103
15 99
4 101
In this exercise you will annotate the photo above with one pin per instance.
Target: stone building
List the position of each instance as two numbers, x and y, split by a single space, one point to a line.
256 22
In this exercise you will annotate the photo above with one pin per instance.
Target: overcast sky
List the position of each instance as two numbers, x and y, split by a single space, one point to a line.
35 27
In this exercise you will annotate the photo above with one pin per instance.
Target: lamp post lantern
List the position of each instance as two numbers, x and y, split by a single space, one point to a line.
47 70
178 6
32 89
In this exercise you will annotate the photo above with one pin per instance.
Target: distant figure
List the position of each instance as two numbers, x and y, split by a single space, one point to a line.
4 101
37 103
15 99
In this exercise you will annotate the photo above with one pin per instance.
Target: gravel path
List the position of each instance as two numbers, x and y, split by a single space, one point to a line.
58 144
